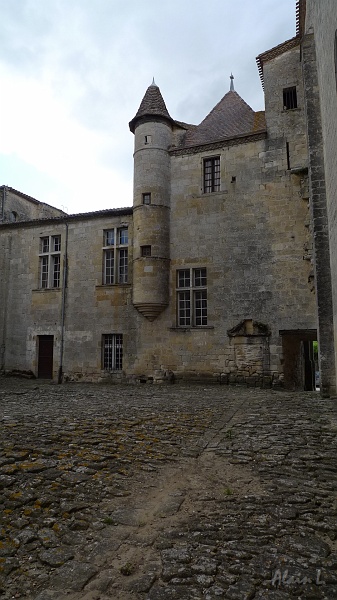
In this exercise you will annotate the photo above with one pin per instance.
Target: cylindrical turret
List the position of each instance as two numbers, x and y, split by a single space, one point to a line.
152 127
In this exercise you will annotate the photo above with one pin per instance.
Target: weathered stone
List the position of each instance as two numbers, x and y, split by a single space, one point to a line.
72 576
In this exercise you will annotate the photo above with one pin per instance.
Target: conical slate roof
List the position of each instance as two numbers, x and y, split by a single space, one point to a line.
230 118
152 105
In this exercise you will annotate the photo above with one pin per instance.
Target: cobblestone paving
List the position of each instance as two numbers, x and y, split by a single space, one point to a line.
164 493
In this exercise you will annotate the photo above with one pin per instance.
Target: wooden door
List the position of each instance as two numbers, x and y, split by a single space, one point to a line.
45 361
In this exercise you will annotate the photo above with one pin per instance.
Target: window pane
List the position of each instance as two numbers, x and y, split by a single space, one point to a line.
123 236
183 278
118 352
147 198
56 270
184 309
56 243
200 307
200 277
109 237
44 244
123 266
44 271
108 267
108 352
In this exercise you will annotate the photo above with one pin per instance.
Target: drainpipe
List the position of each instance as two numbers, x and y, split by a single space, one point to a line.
63 309
6 292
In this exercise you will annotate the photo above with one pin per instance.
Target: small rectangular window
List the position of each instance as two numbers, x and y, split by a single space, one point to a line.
289 98
212 174
145 250
112 352
146 198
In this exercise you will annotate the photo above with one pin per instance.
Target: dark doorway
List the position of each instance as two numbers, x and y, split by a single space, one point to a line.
45 362
299 365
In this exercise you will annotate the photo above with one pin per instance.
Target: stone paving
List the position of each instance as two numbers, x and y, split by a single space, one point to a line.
166 492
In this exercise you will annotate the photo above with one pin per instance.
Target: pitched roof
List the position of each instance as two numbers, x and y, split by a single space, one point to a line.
230 118
152 105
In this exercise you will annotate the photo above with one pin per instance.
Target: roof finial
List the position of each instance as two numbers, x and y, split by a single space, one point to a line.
153 83
231 87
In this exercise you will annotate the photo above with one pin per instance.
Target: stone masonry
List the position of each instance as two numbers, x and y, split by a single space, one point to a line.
226 269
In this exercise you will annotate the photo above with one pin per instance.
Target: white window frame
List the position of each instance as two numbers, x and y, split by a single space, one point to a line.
50 262
191 289
112 351
115 256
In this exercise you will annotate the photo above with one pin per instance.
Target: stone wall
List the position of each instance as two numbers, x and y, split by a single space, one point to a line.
253 237
320 77
15 206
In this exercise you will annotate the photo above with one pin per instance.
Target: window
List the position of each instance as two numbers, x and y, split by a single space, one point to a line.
192 297
212 174
145 250
147 139
50 261
146 198
289 98
112 352
115 256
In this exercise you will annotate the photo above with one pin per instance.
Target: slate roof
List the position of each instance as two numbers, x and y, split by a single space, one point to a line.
230 118
153 105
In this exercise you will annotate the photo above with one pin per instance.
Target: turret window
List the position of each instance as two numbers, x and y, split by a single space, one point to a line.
146 198
145 250
192 297
289 98
148 139
115 256
212 174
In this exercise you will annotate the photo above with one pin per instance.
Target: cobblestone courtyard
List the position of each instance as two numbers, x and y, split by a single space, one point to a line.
166 492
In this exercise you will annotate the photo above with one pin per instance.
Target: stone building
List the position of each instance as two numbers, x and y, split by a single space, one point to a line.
209 275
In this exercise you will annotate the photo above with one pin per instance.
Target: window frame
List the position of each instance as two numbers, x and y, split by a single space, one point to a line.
115 255
290 98
191 297
112 352
50 262
145 251
146 198
211 174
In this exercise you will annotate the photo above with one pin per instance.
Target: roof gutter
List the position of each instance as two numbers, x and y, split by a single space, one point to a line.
63 308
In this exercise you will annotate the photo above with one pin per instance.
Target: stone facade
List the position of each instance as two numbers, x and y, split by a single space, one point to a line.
319 71
220 284
16 206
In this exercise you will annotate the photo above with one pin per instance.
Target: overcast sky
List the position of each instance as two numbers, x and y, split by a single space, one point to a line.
73 73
